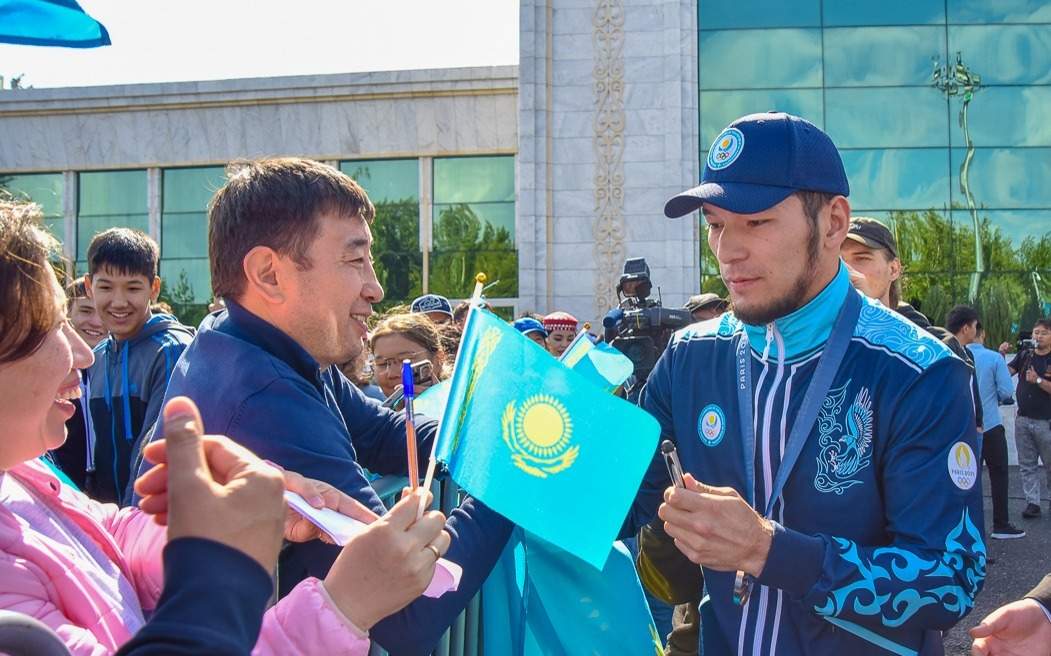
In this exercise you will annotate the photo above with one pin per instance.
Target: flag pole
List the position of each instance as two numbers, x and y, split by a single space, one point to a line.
475 302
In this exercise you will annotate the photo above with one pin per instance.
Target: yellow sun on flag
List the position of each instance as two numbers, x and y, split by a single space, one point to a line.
543 426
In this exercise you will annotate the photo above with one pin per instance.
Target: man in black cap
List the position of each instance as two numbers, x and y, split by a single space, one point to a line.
871 250
703 307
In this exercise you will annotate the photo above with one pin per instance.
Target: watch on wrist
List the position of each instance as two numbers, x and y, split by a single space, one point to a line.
1039 380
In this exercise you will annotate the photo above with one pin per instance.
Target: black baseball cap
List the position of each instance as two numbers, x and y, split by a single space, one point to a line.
872 234
761 159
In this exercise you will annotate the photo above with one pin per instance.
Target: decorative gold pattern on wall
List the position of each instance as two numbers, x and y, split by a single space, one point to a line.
608 225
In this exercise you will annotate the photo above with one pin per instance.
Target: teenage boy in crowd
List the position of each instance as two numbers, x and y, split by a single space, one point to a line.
76 455
291 254
136 359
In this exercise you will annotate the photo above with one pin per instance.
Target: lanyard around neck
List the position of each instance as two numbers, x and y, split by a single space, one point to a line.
820 383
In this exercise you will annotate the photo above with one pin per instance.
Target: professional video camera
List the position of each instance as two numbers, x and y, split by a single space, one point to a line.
1025 341
640 327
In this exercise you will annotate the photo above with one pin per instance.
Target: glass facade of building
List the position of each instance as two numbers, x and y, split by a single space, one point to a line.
920 150
470 222
184 232
109 199
44 189
471 225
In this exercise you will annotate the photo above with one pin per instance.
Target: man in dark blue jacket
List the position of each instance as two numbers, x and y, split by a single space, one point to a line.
290 251
833 493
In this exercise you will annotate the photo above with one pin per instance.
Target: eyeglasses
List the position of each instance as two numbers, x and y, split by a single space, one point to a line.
382 365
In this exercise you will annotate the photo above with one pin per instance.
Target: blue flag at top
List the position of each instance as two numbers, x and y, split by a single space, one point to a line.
50 23
601 363
530 438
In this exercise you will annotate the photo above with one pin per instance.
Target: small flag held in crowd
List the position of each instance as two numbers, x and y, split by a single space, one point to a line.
601 363
529 438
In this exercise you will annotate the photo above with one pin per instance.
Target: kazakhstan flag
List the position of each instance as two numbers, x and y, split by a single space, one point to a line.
601 363
529 438
49 23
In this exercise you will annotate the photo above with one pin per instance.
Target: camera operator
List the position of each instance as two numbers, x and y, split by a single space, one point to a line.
1033 424
640 326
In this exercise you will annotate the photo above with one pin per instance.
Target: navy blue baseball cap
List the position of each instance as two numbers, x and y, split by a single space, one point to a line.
432 303
761 159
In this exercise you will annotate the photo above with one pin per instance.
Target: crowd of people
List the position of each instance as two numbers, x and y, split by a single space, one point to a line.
145 464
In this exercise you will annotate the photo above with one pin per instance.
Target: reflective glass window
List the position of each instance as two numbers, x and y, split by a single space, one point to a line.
1004 178
44 189
987 11
719 108
720 14
1005 116
1012 240
882 56
1004 54
752 59
108 199
884 12
887 118
184 232
923 239
393 185
186 281
474 225
909 178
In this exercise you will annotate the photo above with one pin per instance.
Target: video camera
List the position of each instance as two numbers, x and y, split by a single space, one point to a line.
640 327
1025 341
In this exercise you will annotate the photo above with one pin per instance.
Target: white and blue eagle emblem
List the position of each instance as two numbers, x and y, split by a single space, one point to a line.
845 440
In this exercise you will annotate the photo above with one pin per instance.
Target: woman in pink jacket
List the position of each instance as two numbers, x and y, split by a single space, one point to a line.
93 572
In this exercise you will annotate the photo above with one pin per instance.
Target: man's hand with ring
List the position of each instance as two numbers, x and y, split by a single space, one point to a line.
389 564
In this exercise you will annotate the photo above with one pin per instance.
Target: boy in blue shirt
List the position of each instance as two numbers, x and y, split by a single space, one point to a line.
134 362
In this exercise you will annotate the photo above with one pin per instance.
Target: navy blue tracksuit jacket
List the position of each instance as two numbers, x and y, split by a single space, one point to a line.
256 385
878 542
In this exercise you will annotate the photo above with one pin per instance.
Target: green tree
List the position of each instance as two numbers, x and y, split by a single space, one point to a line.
465 245
182 300
396 249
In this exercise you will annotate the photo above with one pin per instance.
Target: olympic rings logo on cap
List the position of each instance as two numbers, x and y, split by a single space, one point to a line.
726 149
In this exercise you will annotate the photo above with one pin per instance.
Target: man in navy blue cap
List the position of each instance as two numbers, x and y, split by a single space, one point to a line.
831 492
437 308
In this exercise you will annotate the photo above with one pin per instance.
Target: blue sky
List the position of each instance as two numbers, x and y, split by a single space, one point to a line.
174 40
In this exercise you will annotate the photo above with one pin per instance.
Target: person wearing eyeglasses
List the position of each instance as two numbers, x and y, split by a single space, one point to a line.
411 337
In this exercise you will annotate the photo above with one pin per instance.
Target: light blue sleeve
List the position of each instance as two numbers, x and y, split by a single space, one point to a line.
1004 387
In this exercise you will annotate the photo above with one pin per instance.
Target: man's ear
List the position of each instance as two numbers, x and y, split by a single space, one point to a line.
87 287
839 221
262 268
155 288
895 269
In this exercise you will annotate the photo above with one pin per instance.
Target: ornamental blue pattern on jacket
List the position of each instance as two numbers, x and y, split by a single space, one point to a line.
877 546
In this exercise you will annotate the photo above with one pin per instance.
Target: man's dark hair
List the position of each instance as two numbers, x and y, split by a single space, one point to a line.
275 203
960 316
125 251
1044 323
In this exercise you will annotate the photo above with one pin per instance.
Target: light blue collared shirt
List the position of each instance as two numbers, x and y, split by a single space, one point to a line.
994 383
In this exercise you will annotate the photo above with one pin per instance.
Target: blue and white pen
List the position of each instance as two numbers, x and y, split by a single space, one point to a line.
410 426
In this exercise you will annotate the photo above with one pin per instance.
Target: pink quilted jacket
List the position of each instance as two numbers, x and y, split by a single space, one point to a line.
43 581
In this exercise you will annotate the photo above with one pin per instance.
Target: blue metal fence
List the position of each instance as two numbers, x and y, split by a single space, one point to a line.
464 637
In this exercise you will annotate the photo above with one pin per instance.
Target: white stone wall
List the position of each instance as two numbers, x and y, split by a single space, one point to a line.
326 117
622 115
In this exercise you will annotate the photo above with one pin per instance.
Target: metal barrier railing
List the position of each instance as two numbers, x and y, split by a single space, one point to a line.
464 637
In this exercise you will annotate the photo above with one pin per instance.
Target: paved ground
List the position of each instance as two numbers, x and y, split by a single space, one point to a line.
1020 564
